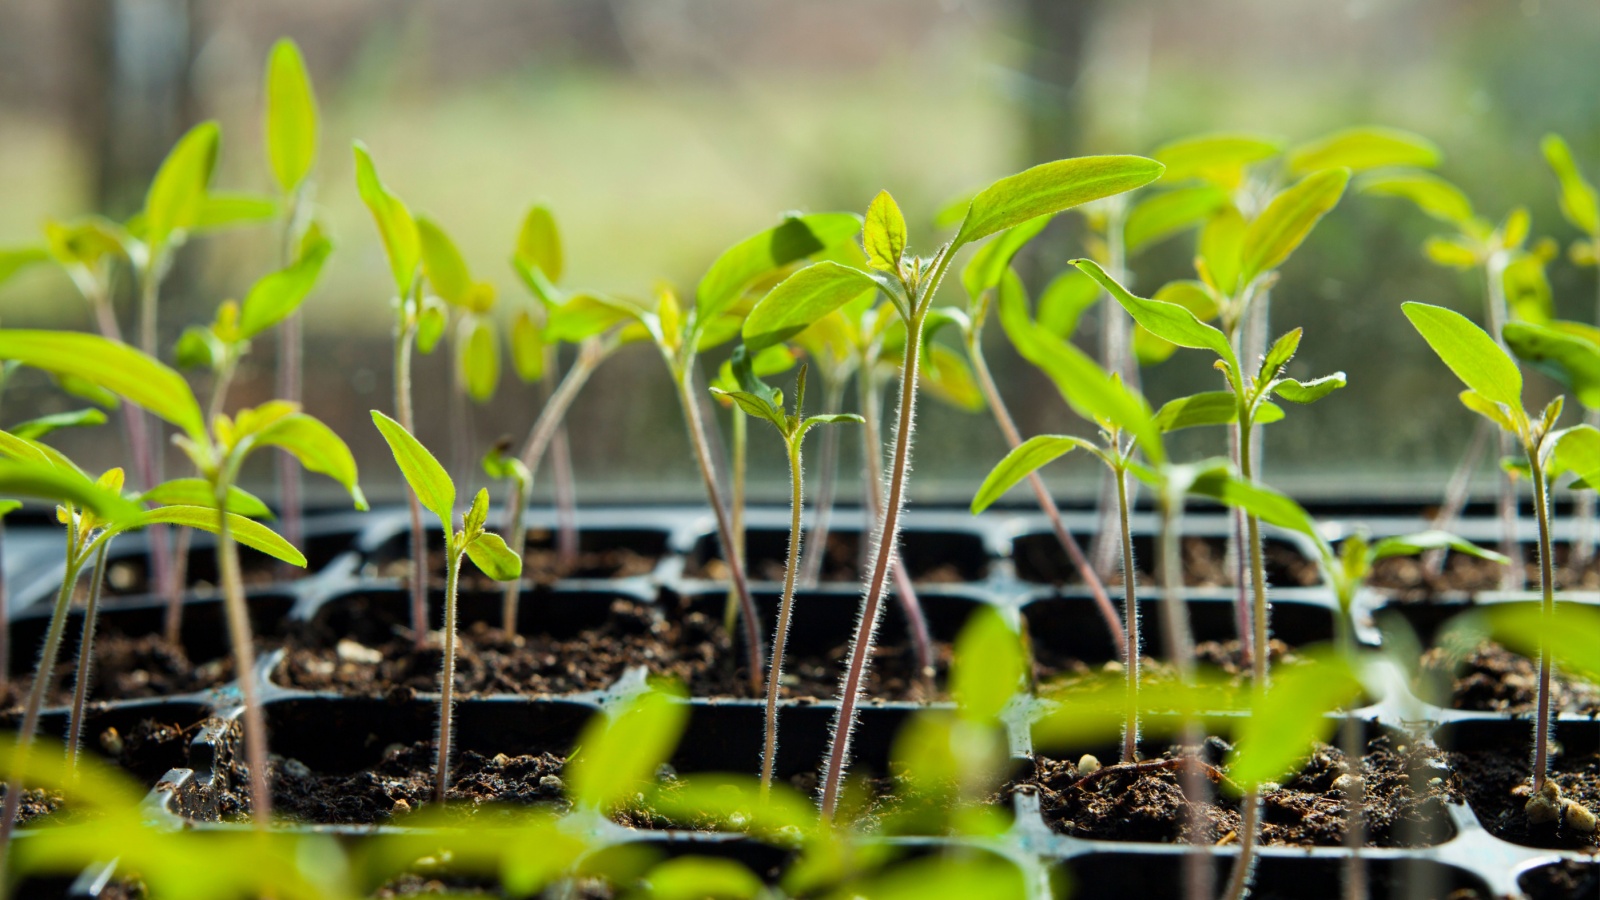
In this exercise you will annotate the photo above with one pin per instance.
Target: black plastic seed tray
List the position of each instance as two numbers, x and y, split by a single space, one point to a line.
1002 560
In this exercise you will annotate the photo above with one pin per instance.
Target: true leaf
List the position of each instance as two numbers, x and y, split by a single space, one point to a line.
480 360
1450 251
395 225
177 194
587 315
1577 450
527 347
754 405
431 325
1286 221
1051 188
700 877
1578 201
1168 321
319 450
15 259
1308 391
1362 148
1571 634
947 376
490 554
1423 541
198 492
248 532
1566 357
427 478
291 116
795 239
29 450
1257 500
989 264
34 429
277 296
1432 194
46 481
1471 354
988 666
1222 249
883 235
219 211
111 365
619 753
1161 216
1208 154
801 299
1281 352
1208 408
442 263
1527 289
539 244
1027 458
1064 300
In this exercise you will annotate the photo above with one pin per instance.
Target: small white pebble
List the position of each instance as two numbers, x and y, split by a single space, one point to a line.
1545 806
352 652
401 806
1347 784
1578 817
111 741
1088 764
551 782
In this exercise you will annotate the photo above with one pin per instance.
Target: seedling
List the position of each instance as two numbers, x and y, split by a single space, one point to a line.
910 284
759 400
432 485
474 342
1494 391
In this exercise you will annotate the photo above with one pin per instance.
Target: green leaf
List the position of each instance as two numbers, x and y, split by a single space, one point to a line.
1283 350
1527 289
248 532
442 263
1168 321
989 264
1290 718
947 376
480 361
1064 300
422 471
1576 450
28 450
1451 251
113 366
1470 353
539 245
1578 202
1359 149
63 484
1257 500
802 299
278 296
1156 218
988 667
830 419
1571 634
198 348
221 211
588 315
883 235
7 507
1308 391
431 326
177 194
1433 195
1284 224
1208 408
702 878
736 803
15 259
1217 156
291 126
318 449
1028 457
492 557
761 254
755 405
33 429
1487 408
1222 250
198 492
527 347
619 752
1566 357
395 224
1051 188
1423 541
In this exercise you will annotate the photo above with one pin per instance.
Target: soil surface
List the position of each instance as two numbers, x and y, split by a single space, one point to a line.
690 646
1491 678
1205 564
1564 880
1496 783
131 668
1306 810
540 565
841 562
1058 674
1407 578
129 577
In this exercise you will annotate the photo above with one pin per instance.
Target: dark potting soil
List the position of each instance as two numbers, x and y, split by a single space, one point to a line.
130 577
1056 673
691 646
413 884
840 562
131 668
1568 879
1490 678
1305 810
540 565
1496 782
1409 579
1205 564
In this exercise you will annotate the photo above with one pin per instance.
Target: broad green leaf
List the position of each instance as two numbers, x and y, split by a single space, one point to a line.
539 244
1577 450
480 361
802 299
1432 194
422 471
7 507
1051 188
248 532
1222 250
1064 300
702 878
1571 634
989 264
198 348
395 224
527 347
619 752
177 194
28 450
1471 354
1191 295
493 558
1578 201
1423 541
1451 251
15 259
1208 408
84 241
431 326
1156 218
47 481
442 263
1564 356
1213 155
988 666
1290 718
1516 227
1363 148
1168 321
198 492
883 235
1527 289
947 376
831 419
795 239
1282 350
221 211
736 803
1487 408
1257 500
754 405
113 366
588 315
291 116
1308 391
33 429
1027 458
319 450
278 296
976 876
1284 224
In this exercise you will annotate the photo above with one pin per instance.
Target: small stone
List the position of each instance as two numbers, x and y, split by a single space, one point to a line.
1577 816
111 742
296 769
401 806
1088 764
1112 666
1544 807
1347 784
551 783
501 760
359 654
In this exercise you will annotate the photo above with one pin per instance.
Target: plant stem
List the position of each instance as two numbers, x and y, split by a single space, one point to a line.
566 497
888 534
816 552
1047 503
291 368
1547 607
1243 620
80 687
1130 607
1116 358
510 599
1514 576
244 662
741 452
1457 490
785 611
1180 651
1355 829
683 377
404 333
154 439
460 420
447 675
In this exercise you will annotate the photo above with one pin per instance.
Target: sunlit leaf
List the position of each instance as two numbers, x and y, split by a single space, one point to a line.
490 554
989 264
1565 356
1308 391
1571 634
987 669
198 492
428 479
1027 458
395 224
947 376
248 532
1064 300
1051 188
442 263
1578 202
619 752
1423 541
1288 219
1222 250
34 429
224 210
795 239
539 245
177 194
1217 155
1257 500
883 235
1432 194
480 360
277 296
1292 716
1208 408
1471 354
1156 218
702 878
1527 289
1168 321
802 299
1362 148
317 448
111 365
291 116
15 259
527 347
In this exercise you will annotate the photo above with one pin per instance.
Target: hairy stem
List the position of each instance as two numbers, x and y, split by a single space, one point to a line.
769 756
403 335
1547 607
80 687
1243 623
741 452
822 507
1514 576
1116 357
1130 608
163 566
1355 828
244 663
291 369
447 676
1180 651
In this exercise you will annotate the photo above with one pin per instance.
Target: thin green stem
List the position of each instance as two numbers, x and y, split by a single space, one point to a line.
1514 576
510 599
1547 607
1130 607
405 332
80 687
1244 868
291 374
785 612
822 506
447 676
741 453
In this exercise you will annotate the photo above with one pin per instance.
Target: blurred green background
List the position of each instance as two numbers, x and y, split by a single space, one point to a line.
661 131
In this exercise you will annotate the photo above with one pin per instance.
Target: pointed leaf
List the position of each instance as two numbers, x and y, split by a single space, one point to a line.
1527 289
198 492
1292 715
1362 148
619 753
1222 250
1257 500
1423 541
883 235
1028 457
395 225
795 239
1206 155
317 448
220 211
1578 202
442 263
989 264
1577 450
1433 195
480 361
279 295
46 481
802 299
493 558
422 471
1168 321
113 366
1571 634
1064 300
1283 350
947 376
177 194
1208 408
539 244
1308 391
1051 188
1156 218
1568 358
1471 354
1288 219
527 347
34 429
988 666
248 532
291 126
